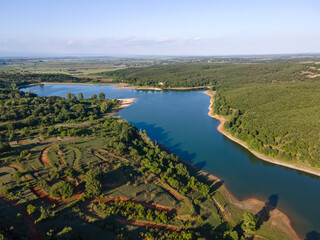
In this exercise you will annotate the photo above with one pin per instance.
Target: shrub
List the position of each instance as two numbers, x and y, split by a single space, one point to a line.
62 189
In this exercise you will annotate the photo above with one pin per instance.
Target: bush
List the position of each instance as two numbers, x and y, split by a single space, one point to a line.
31 209
93 183
62 189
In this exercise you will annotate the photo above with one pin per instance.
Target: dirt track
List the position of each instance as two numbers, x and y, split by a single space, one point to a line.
112 155
61 158
226 217
37 191
44 159
103 159
148 224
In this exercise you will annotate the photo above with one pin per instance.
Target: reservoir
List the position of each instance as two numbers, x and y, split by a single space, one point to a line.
179 120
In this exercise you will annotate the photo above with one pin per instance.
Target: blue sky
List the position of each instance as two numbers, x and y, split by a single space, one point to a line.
146 27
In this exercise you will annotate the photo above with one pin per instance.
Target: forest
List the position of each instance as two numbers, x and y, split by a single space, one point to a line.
207 74
25 78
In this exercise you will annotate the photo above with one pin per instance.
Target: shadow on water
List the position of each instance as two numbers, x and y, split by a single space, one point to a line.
153 131
264 214
158 133
201 164
313 235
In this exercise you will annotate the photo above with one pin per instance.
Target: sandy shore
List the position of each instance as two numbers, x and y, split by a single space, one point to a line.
277 218
123 104
245 145
127 86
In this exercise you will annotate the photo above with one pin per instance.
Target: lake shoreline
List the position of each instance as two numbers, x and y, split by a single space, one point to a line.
245 145
118 86
251 204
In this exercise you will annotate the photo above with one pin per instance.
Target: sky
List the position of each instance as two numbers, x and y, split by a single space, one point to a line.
150 27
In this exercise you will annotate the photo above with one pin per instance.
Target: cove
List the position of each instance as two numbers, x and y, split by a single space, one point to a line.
179 120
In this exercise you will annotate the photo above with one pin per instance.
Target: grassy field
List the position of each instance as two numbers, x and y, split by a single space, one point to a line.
71 66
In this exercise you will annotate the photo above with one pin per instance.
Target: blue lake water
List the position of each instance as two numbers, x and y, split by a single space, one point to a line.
179 120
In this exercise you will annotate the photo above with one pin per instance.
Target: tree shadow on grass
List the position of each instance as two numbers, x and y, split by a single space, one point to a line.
264 214
217 185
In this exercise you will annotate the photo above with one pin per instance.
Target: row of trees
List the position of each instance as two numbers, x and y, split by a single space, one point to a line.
71 96
133 210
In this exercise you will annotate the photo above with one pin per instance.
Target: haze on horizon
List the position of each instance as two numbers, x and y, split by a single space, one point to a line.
142 27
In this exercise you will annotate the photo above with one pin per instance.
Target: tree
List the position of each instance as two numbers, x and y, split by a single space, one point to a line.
80 96
94 96
248 225
230 235
70 96
67 234
31 209
45 214
62 189
102 96
93 182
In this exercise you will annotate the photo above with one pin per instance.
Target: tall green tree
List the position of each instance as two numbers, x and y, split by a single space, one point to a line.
93 182
70 96
102 96
80 96
94 96
248 225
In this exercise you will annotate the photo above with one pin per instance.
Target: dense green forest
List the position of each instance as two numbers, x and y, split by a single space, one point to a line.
274 107
204 74
23 78
68 171
279 120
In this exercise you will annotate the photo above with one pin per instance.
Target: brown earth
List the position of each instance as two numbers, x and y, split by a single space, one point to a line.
44 159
